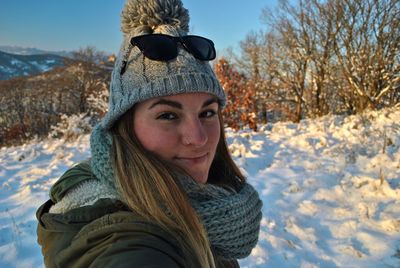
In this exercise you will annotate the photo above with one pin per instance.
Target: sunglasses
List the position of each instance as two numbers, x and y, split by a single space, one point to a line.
161 47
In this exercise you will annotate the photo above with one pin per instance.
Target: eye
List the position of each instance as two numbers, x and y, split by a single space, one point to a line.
208 114
167 116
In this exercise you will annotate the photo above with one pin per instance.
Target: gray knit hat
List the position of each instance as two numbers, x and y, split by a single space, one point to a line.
144 78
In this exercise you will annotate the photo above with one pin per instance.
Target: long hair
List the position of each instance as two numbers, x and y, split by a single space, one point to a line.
148 187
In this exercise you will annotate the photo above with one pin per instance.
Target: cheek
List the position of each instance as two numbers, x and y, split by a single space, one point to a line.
154 139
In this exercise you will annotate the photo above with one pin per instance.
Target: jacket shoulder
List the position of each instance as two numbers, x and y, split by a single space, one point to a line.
122 239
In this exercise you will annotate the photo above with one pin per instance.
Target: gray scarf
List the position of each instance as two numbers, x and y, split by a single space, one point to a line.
231 218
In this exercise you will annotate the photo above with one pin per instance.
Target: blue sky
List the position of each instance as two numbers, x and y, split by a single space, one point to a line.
70 24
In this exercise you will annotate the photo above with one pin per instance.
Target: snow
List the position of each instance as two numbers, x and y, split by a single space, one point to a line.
43 67
16 62
5 69
330 188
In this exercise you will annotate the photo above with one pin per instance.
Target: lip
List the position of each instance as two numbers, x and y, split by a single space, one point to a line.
192 159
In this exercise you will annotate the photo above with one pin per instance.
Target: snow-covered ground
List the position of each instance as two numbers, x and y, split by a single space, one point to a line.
330 187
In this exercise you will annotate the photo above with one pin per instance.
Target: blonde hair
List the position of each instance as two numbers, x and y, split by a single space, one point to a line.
149 188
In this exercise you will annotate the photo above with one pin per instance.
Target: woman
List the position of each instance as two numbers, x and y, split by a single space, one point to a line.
161 189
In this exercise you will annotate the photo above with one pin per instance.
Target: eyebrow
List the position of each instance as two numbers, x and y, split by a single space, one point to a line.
178 105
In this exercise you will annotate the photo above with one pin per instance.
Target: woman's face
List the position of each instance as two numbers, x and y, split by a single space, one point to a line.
182 129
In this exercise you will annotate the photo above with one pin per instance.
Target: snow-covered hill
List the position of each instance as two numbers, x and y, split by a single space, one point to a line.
13 65
32 51
330 187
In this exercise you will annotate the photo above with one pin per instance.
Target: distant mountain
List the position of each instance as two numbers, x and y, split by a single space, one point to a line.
13 65
32 51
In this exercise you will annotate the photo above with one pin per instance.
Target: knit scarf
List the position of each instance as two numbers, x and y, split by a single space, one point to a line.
231 218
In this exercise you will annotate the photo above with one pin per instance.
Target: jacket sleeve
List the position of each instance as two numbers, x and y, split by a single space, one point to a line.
110 243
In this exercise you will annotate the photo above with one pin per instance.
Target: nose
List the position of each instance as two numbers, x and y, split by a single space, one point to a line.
194 133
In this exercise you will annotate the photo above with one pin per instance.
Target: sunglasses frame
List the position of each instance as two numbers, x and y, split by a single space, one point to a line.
183 40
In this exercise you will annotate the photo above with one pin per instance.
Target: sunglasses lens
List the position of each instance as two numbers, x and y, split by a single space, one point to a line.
201 48
162 47
156 47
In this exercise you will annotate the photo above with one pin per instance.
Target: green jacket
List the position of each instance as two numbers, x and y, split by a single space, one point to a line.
105 233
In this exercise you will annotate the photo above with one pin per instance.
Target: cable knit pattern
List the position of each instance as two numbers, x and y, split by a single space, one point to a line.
100 146
232 219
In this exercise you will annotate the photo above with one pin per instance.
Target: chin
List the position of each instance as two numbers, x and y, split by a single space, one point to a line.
200 178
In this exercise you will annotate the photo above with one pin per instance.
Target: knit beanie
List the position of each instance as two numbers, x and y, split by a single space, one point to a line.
144 78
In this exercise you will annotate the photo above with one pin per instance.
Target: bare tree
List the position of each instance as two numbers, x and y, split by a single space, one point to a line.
324 56
367 49
90 54
293 46
254 64
320 32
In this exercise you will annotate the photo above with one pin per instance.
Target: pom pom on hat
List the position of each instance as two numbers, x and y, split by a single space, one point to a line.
144 16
